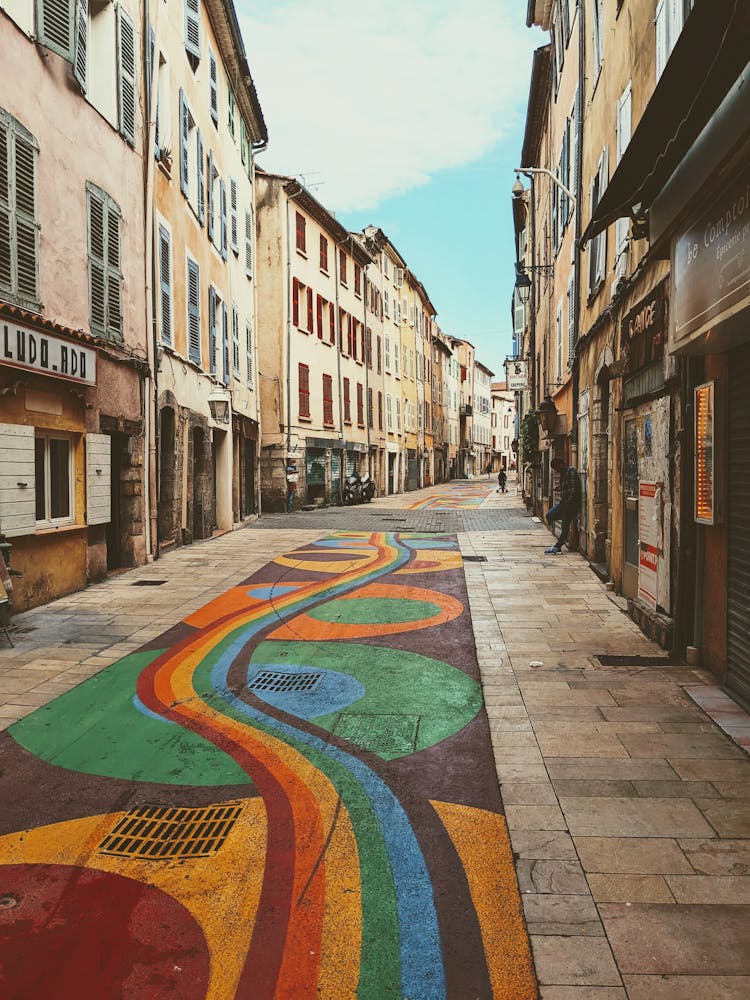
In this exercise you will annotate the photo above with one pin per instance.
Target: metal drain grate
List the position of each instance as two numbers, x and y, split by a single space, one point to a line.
388 736
161 833
148 583
279 682
475 558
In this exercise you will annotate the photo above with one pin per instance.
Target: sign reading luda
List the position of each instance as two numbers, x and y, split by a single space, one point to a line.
32 350
711 266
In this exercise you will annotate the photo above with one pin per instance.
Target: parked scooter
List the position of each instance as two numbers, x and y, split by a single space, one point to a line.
353 489
367 489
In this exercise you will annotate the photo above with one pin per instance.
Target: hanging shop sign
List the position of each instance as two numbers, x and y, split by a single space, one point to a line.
711 265
644 329
648 536
32 350
516 375
705 453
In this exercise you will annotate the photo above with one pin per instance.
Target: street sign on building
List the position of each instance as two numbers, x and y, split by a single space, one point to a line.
516 374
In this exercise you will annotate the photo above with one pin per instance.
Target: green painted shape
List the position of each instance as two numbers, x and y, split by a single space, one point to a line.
380 957
96 729
375 611
396 682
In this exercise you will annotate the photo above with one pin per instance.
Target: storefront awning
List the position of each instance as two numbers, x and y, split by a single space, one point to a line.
710 54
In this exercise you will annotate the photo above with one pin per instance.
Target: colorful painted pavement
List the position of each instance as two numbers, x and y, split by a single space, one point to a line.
289 794
455 496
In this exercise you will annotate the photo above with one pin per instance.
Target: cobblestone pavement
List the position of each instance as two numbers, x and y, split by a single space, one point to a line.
628 805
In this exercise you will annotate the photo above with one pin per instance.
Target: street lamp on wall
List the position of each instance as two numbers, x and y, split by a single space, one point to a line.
218 404
523 282
547 414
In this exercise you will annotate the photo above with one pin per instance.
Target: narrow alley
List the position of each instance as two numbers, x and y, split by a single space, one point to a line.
390 751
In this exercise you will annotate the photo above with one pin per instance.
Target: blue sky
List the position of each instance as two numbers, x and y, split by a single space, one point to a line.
408 117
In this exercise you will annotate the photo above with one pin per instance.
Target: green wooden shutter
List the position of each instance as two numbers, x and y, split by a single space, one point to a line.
184 128
81 42
126 75
114 272
225 341
55 27
97 265
165 284
6 262
212 329
210 194
193 311
223 205
233 215
249 354
201 178
23 180
235 340
213 83
193 27
248 244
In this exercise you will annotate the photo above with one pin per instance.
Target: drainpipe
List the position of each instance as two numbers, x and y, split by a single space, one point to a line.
337 345
367 370
151 416
287 421
576 332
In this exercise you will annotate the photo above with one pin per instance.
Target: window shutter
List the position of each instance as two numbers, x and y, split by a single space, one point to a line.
603 179
212 330
234 223
114 274
81 42
304 390
193 311
213 82
184 182
249 354
295 301
235 340
55 26
210 194
97 267
193 27
17 471
310 327
661 38
201 177
165 284
319 311
223 204
571 320
98 479
126 75
332 322
23 161
6 260
248 244
225 341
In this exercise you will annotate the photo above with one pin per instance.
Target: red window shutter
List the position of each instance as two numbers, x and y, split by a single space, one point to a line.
349 345
323 253
304 390
327 400
347 402
342 266
332 321
300 232
320 317
295 302
369 409
380 411
380 354
360 404
357 279
309 310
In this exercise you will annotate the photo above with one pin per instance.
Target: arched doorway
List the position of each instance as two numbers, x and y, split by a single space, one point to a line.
167 478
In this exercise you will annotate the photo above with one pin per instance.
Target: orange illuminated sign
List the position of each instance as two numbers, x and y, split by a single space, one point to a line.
705 453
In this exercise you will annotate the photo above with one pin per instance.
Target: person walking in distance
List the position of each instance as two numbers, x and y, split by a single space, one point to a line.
502 479
570 500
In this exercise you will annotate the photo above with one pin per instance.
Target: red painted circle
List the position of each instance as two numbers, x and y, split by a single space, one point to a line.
76 932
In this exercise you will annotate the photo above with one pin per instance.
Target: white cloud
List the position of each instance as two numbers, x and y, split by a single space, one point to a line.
372 99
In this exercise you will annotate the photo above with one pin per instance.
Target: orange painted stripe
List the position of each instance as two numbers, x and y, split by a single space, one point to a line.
483 846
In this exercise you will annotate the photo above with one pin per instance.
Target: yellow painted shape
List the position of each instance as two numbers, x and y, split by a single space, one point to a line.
440 559
220 892
483 846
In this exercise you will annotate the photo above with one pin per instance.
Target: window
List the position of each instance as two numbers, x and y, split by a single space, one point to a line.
669 22
213 88
389 413
163 136
596 27
249 352
235 340
328 400
559 330
370 412
193 28
387 353
53 470
379 353
19 228
360 404
303 378
302 306
248 243
380 410
342 267
357 280
323 254
225 342
386 303
193 298
598 246
347 402
105 276
165 283
386 265
624 117
230 111
398 414
300 230
571 322
234 225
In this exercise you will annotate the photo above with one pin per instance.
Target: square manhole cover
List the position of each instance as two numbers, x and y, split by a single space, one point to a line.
280 681
388 736
162 833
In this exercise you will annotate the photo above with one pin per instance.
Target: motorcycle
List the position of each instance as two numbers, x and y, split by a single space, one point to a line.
367 489
352 489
